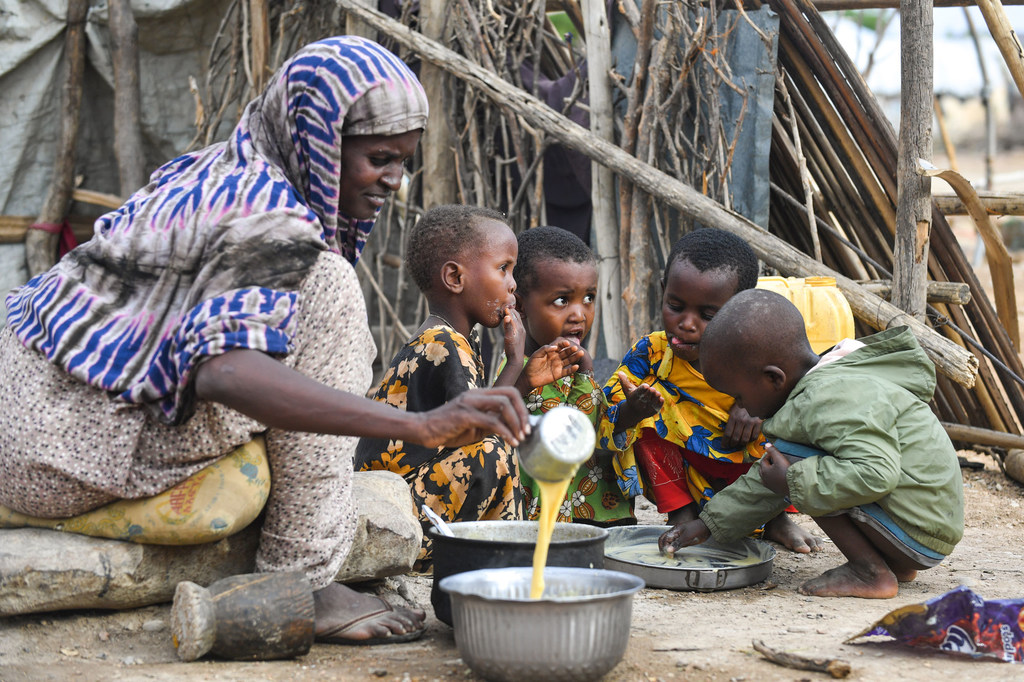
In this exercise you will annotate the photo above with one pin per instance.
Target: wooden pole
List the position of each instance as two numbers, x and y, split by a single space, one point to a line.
438 143
998 203
124 40
955 362
604 223
979 436
913 195
41 245
260 40
956 293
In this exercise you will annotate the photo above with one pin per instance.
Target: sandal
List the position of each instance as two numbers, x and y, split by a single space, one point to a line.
337 635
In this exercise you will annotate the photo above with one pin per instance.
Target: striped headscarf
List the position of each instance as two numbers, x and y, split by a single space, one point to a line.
209 256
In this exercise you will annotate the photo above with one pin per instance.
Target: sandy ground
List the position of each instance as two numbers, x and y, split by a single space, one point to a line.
675 635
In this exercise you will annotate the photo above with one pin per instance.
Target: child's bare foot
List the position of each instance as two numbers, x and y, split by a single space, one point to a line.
682 515
782 530
869 582
904 576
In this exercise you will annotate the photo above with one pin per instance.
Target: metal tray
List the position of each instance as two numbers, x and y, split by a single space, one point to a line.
706 567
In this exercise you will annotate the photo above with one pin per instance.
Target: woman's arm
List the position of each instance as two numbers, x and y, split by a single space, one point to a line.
266 390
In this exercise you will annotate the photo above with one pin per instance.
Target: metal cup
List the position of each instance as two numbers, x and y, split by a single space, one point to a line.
561 439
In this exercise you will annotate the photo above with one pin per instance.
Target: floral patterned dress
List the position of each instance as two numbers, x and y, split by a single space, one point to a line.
693 417
474 482
593 495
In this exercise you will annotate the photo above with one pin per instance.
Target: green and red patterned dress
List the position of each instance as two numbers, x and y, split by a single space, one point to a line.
593 495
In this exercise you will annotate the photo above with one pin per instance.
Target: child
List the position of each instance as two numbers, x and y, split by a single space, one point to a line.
701 440
870 461
461 258
556 279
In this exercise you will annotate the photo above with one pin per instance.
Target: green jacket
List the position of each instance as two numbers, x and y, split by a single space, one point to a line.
870 411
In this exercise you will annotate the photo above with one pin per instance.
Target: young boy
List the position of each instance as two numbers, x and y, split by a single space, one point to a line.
856 446
556 279
462 259
698 440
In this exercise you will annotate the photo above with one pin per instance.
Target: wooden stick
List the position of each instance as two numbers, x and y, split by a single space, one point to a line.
947 143
835 5
999 262
835 667
980 436
950 359
956 293
41 246
1006 38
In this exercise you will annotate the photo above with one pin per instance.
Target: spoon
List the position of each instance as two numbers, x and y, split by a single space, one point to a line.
438 522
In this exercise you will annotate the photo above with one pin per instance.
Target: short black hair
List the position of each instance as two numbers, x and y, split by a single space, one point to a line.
707 249
729 333
443 233
547 242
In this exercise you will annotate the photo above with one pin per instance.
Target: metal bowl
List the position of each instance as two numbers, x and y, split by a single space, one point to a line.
500 544
578 630
706 567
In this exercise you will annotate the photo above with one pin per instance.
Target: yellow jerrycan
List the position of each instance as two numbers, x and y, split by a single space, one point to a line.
827 314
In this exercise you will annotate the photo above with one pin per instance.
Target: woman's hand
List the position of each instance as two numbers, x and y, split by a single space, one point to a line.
773 468
741 428
640 402
683 535
472 415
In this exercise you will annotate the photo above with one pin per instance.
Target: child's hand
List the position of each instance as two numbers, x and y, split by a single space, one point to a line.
741 428
640 402
515 336
683 535
549 363
774 466
586 362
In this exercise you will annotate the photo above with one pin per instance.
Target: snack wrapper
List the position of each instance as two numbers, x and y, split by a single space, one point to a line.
958 621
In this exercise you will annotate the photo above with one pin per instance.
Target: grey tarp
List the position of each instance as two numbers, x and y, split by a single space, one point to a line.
174 43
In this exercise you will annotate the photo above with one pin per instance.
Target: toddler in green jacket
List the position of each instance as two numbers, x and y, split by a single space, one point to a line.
855 446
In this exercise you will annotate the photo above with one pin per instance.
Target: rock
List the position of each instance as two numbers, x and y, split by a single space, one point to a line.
388 535
47 570
1014 465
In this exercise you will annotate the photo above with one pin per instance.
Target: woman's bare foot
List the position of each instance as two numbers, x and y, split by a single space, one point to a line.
869 582
782 530
346 616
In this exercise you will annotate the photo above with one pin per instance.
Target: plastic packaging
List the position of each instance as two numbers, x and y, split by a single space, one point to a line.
958 621
827 314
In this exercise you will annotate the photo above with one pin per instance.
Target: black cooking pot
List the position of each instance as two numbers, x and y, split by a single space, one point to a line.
497 544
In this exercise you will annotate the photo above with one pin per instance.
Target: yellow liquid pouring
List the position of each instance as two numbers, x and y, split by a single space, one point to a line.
551 496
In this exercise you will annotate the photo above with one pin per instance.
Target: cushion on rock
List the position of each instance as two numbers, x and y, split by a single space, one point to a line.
211 504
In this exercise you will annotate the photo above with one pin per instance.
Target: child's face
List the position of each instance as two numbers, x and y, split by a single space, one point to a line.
560 301
488 265
690 300
752 388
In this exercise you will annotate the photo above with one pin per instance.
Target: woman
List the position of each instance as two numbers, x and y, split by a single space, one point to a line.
220 302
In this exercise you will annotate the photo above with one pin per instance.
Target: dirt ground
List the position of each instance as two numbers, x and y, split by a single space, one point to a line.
675 635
